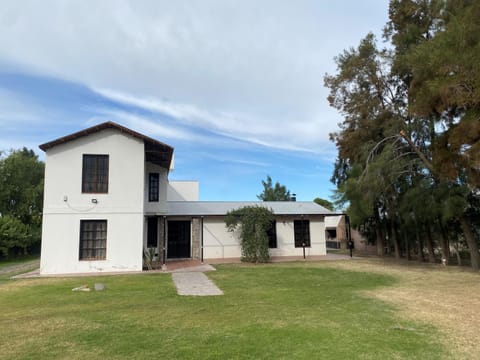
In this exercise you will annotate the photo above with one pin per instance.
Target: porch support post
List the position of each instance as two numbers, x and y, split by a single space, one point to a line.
164 245
196 238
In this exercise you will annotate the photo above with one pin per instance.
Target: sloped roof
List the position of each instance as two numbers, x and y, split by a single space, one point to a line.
204 208
332 222
155 151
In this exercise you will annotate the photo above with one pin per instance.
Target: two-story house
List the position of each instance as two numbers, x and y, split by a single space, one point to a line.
108 199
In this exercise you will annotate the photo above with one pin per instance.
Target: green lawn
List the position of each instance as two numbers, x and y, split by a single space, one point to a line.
294 311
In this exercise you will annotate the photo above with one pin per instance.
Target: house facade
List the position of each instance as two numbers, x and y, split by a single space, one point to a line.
108 201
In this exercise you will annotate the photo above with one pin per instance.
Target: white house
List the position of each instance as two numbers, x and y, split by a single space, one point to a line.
108 199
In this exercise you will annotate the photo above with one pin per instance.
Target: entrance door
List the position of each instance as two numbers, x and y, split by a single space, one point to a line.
178 239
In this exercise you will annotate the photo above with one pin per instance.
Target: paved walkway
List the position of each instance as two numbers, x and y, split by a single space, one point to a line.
194 284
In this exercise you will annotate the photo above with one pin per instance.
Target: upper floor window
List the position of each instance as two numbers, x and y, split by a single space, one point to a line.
301 229
95 174
153 186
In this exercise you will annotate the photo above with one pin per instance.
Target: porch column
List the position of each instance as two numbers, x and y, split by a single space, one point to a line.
160 237
196 229
163 241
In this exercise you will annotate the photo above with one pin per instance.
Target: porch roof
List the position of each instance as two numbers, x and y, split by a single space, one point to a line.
332 222
212 208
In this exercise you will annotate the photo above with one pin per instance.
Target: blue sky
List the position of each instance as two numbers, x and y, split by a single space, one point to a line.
236 87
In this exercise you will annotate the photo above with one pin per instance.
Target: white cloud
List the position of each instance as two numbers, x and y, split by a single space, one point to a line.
235 126
236 160
143 125
252 70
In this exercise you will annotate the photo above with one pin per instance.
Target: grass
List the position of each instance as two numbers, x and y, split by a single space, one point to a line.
446 297
331 310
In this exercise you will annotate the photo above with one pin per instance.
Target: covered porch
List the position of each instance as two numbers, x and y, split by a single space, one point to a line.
172 240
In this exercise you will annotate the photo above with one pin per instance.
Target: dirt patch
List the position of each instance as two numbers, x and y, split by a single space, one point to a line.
448 298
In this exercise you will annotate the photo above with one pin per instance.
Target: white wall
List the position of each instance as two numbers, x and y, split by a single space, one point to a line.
60 249
286 237
65 205
183 191
219 243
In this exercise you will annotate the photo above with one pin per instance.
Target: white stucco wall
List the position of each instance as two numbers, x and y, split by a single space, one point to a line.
218 243
65 205
286 237
183 191
60 248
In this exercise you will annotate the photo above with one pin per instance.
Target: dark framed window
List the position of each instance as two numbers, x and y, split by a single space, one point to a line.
152 232
153 186
93 240
272 235
95 174
301 229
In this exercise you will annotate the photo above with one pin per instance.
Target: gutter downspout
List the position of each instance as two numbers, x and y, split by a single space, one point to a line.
164 250
201 239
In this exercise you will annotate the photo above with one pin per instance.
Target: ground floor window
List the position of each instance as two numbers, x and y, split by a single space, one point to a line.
302 233
272 235
93 240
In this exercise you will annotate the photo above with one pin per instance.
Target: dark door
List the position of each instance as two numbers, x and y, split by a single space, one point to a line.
178 239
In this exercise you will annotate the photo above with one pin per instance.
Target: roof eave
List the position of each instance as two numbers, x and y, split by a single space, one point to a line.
156 152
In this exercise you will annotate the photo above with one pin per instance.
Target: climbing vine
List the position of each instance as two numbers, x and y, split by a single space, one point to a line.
253 223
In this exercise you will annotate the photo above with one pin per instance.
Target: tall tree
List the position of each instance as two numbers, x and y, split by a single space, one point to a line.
273 192
371 159
409 146
437 51
21 198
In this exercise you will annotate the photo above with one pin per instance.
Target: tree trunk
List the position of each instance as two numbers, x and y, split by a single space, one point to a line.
457 253
471 242
444 247
378 232
407 246
380 242
429 241
394 238
421 255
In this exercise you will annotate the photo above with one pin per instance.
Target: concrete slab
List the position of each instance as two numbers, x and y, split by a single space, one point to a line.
194 284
